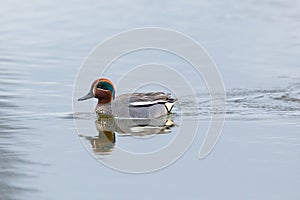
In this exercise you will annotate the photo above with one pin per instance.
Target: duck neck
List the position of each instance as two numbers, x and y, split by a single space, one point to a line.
104 101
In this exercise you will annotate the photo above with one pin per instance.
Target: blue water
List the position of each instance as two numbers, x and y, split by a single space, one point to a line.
255 45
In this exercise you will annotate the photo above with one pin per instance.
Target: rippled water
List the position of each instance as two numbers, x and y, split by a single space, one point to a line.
256 48
259 104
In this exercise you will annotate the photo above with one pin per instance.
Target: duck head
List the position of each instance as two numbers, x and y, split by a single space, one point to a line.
102 89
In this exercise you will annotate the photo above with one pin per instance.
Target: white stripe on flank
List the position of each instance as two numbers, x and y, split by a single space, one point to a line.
146 103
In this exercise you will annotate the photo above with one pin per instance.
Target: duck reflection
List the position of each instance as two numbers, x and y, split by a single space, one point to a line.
108 126
104 142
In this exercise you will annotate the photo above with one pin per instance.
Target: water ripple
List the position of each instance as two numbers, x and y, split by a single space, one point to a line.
243 104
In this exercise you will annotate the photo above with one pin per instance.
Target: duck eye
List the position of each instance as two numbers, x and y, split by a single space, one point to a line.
106 86
101 86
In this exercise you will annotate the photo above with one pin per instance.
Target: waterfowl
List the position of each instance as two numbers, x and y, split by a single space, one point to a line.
135 105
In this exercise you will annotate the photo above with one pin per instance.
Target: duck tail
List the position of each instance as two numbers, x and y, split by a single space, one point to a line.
170 103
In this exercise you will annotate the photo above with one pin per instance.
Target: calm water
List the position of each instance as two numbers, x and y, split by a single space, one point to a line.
255 44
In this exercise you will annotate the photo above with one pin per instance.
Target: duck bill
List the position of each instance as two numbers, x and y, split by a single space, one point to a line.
87 96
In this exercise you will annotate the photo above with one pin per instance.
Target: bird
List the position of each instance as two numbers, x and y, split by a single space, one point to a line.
134 105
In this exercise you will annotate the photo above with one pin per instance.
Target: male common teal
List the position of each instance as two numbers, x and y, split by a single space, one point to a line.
135 105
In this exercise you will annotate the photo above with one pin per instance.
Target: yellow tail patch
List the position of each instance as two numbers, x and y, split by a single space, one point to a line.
169 106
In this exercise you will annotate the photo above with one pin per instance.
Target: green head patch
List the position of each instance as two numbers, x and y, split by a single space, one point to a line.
106 86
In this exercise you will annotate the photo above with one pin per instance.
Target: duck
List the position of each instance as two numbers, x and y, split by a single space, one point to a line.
134 105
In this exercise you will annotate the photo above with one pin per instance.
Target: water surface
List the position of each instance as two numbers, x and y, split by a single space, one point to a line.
255 46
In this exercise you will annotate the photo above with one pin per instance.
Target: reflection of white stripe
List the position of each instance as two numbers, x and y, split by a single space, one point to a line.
145 103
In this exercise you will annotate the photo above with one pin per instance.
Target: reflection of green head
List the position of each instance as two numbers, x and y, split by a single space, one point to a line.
106 86
105 141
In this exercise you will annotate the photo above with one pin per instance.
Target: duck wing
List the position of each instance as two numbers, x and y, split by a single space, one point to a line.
151 98
143 105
